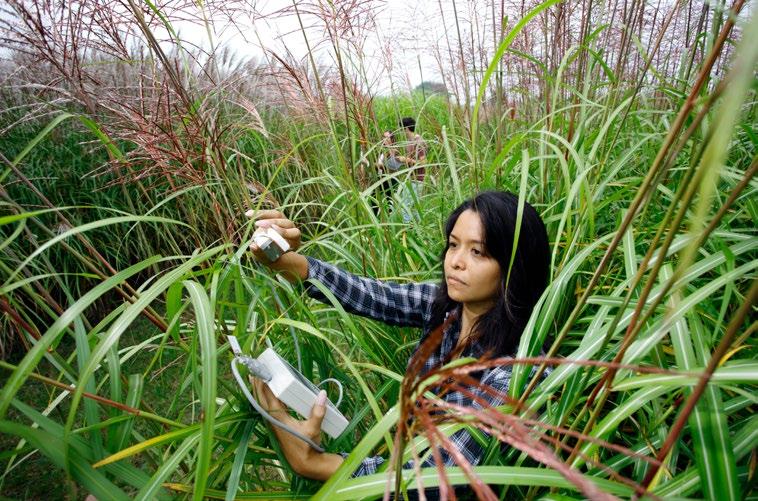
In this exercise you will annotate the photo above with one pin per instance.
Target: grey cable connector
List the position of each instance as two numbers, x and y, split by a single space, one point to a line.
258 369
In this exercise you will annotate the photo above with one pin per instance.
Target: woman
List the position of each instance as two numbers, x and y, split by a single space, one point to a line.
488 315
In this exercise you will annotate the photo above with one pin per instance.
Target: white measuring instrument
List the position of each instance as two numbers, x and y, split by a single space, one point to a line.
290 386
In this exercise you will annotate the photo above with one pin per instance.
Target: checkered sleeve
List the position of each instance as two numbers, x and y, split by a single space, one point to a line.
368 466
406 305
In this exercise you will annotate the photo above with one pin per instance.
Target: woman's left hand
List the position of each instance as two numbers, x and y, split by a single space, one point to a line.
302 457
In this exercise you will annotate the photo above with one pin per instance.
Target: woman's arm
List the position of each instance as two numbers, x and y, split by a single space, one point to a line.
303 459
407 305
395 304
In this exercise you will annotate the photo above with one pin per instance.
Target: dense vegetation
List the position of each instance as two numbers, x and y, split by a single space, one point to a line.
125 173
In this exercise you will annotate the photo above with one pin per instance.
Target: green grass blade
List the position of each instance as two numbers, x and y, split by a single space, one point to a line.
332 486
519 212
169 467
39 137
133 397
127 317
32 358
239 461
87 227
452 168
374 485
206 336
54 449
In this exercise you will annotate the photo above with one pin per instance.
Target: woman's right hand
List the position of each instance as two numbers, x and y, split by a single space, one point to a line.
276 220
291 262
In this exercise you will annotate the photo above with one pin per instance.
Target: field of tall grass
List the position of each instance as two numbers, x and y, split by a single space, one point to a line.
127 160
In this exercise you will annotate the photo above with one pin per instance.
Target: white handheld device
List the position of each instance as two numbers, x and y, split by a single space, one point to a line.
289 386
299 394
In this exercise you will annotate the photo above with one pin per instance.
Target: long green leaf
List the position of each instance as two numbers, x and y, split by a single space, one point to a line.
84 228
149 490
332 486
127 317
207 339
32 358
55 450
374 485
239 461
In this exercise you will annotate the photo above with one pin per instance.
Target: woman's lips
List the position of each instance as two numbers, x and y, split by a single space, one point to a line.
454 281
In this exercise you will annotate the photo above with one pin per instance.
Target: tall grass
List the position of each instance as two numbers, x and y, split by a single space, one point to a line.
640 157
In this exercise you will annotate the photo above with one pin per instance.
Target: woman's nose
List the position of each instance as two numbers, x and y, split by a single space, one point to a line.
457 260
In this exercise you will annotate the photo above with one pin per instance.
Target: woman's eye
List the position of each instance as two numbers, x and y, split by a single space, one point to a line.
477 252
451 244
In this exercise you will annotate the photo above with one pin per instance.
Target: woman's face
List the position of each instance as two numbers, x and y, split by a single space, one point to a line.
472 276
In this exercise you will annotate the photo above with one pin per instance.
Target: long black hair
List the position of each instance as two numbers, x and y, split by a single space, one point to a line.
498 330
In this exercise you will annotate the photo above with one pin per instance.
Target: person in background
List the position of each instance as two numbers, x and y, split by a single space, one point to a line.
415 148
403 149
415 156
387 164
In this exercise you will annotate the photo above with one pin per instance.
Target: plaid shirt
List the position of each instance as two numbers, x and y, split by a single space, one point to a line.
408 305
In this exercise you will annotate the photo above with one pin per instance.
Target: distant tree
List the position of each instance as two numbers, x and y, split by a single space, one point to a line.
428 87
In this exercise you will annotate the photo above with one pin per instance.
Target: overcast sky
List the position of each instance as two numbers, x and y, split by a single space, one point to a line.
407 28
404 32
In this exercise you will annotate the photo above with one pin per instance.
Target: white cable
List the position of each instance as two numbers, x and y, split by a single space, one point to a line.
339 386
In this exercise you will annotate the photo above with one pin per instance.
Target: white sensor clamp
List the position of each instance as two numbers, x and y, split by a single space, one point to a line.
270 242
